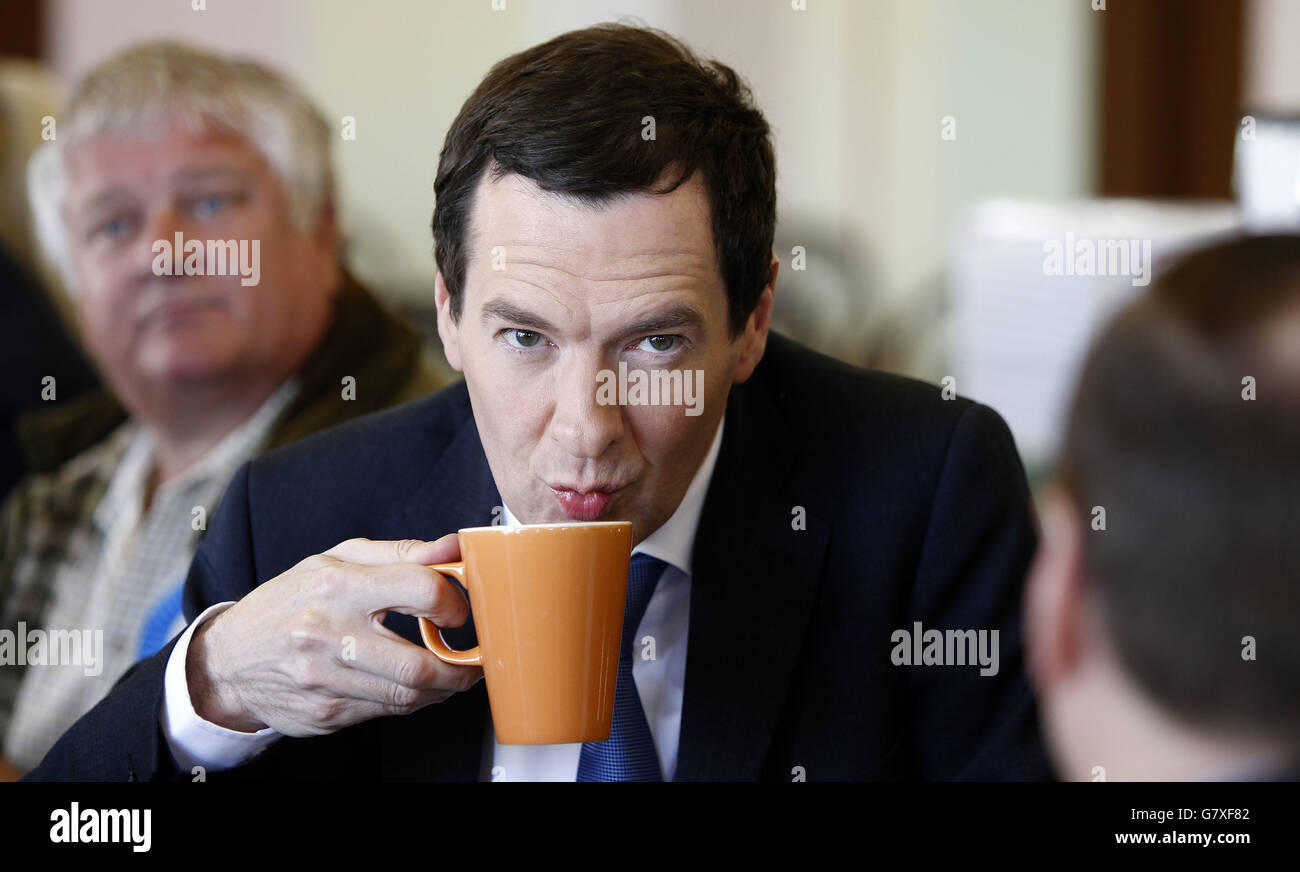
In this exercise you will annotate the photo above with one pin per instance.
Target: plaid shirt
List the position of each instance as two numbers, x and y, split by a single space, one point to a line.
93 558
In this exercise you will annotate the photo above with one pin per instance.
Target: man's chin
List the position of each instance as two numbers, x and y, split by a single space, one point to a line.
180 367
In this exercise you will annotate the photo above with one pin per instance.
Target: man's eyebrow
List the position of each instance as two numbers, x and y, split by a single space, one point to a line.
508 311
113 196
681 315
103 199
676 317
202 174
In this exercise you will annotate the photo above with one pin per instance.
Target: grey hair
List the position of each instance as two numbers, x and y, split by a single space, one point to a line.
167 82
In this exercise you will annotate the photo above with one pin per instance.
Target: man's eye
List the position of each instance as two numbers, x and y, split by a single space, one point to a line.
113 228
523 338
659 344
205 207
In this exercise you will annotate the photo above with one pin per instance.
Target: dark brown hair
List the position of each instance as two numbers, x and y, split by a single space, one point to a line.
568 114
1201 486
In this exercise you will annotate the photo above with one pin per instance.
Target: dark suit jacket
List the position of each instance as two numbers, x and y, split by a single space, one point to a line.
917 510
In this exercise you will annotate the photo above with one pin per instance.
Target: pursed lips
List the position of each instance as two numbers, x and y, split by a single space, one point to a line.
178 308
585 503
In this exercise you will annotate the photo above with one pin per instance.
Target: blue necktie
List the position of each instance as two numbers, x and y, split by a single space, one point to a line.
629 753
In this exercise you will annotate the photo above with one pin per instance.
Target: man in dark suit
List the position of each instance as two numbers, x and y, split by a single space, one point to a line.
803 518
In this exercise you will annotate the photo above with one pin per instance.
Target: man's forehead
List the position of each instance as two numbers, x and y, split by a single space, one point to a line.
627 237
167 154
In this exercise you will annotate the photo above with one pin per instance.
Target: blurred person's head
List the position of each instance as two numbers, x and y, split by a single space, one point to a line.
29 100
1163 633
603 198
164 139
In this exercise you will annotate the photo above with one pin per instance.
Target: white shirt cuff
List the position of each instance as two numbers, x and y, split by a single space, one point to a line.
194 741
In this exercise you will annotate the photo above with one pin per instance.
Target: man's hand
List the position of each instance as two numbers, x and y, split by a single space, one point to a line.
307 652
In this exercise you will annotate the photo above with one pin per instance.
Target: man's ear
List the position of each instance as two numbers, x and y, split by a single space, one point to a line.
448 329
1056 614
753 340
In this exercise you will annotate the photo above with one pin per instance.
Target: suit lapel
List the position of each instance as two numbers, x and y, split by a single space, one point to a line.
753 582
459 490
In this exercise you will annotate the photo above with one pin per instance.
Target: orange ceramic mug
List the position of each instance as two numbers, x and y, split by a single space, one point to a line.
548 610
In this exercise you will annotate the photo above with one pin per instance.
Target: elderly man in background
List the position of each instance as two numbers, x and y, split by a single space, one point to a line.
210 361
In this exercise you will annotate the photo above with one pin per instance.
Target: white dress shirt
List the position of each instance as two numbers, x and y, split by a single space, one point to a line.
196 742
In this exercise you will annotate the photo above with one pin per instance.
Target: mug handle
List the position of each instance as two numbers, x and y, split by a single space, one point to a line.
433 636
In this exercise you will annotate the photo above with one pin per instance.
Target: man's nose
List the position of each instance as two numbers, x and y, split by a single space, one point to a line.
583 425
161 223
